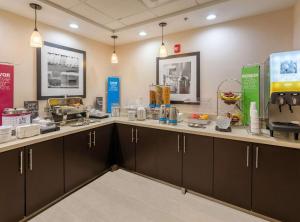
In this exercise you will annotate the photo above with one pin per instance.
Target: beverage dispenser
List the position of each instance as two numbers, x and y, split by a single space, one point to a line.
282 88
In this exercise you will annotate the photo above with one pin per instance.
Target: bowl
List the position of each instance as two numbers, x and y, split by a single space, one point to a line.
223 122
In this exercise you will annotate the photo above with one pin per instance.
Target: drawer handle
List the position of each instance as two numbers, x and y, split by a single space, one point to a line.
30 160
132 135
136 135
178 143
21 163
94 138
184 148
248 150
90 140
256 157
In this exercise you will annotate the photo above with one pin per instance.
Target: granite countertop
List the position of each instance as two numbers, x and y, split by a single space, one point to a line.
238 133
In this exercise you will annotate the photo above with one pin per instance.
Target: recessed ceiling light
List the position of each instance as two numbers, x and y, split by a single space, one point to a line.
74 26
211 17
142 33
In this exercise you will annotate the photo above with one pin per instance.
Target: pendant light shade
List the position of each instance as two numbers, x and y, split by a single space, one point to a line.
114 57
36 40
163 52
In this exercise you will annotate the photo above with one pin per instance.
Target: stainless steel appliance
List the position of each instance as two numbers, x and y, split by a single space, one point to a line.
163 114
65 110
173 116
282 89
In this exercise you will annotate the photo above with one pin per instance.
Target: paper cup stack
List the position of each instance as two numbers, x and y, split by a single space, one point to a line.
254 119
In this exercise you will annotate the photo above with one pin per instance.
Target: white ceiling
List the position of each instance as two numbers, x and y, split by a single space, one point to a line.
98 18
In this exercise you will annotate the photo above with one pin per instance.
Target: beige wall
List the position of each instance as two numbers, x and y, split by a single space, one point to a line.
224 49
297 26
15 33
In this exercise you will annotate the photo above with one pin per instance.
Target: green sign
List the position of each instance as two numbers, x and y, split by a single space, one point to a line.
250 89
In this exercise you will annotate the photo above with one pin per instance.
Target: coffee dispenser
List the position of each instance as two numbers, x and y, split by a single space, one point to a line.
282 88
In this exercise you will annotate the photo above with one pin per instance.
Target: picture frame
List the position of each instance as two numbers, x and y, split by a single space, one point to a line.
61 71
182 73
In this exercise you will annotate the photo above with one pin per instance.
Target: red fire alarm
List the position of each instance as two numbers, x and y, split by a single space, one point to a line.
177 48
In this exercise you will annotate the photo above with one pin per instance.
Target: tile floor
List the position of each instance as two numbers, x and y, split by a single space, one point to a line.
126 197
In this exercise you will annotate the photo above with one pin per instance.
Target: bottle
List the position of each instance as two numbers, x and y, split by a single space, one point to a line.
254 119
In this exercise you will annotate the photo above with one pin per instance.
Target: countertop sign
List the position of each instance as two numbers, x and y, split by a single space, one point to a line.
6 87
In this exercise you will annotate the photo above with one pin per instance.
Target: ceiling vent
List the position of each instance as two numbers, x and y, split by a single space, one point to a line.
156 3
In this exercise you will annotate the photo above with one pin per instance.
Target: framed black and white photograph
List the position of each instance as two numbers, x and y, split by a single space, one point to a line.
182 74
61 71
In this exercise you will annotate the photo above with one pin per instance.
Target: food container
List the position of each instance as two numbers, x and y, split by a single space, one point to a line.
158 95
115 110
223 122
5 133
141 113
152 96
166 95
131 115
5 130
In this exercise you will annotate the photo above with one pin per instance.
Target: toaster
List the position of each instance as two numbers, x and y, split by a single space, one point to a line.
28 131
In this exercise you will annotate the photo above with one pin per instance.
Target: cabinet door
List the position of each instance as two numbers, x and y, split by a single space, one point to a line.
126 146
12 194
44 174
198 164
77 159
146 151
169 156
100 153
276 182
232 172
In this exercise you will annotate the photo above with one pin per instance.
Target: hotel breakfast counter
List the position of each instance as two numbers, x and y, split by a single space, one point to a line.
238 133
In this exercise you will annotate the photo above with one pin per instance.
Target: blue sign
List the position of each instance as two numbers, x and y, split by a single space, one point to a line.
113 92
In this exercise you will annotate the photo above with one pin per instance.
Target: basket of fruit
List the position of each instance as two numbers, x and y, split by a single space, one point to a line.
230 98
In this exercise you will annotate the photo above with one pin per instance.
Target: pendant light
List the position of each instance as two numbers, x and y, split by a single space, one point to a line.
114 57
163 52
36 39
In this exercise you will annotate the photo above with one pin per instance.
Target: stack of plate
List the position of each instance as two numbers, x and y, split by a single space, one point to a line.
197 123
5 133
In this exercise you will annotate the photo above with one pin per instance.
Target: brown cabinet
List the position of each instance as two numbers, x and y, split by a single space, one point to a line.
232 172
276 182
168 156
158 154
86 155
126 146
100 151
146 150
12 195
44 174
197 174
77 159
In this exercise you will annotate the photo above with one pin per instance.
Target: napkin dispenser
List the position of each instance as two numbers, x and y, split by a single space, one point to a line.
28 131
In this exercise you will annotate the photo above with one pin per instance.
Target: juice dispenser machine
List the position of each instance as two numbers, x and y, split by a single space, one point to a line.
282 88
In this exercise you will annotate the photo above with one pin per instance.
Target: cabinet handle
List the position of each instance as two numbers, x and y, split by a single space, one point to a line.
178 143
256 157
30 159
248 150
184 144
90 140
21 163
132 135
136 135
94 138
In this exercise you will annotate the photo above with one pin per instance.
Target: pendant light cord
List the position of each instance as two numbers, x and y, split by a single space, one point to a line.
35 29
162 35
114 45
